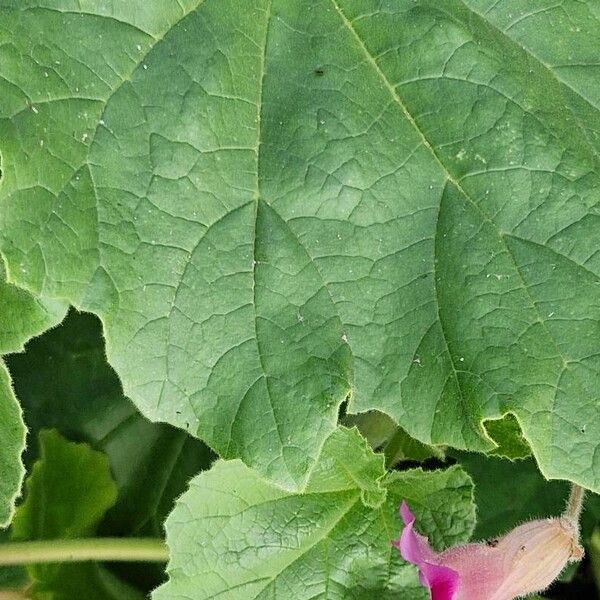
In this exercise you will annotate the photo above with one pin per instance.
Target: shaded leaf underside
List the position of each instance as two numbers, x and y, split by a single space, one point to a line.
273 204
77 393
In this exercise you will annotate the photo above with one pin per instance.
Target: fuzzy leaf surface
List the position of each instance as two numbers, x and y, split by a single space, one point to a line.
22 316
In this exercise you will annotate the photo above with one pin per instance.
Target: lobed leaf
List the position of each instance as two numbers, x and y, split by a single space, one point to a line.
235 535
275 204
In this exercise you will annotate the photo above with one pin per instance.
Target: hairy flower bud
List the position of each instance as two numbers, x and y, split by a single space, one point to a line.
526 560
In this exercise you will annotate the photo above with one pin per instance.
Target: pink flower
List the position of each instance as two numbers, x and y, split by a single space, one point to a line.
526 560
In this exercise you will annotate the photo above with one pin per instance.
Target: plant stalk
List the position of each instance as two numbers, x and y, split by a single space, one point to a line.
79 550
575 504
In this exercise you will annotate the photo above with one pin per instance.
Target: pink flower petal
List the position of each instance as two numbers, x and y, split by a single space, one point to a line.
414 548
442 581
524 561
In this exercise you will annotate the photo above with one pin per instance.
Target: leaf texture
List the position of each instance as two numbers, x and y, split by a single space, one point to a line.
275 204
233 535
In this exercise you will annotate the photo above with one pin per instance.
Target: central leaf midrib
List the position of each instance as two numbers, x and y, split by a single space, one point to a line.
257 199
467 413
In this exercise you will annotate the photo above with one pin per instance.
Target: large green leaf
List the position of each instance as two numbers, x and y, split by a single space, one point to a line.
58 507
274 203
21 317
233 535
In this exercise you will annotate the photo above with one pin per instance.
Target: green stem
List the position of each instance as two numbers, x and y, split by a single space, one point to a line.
575 504
78 550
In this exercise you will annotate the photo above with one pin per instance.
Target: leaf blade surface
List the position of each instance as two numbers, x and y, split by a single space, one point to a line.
394 201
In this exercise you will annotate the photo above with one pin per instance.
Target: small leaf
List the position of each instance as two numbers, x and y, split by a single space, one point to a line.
69 490
67 493
506 432
235 535
346 462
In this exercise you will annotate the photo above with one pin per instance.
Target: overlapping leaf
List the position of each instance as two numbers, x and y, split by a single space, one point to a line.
274 203
21 317
77 393
235 536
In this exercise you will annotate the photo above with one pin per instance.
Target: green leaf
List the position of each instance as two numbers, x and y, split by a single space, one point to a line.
402 447
12 434
24 316
21 317
67 507
235 535
397 446
274 204
57 506
507 433
572 63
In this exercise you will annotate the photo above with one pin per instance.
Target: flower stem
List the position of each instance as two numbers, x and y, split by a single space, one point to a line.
78 550
575 503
